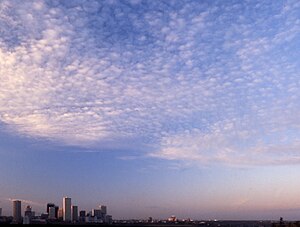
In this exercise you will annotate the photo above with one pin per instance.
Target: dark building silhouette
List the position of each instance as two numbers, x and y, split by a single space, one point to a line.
50 205
82 215
56 208
17 212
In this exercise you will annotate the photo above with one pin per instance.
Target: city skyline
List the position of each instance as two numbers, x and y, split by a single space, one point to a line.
153 108
67 213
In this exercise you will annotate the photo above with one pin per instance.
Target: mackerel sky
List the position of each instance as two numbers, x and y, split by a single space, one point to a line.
153 107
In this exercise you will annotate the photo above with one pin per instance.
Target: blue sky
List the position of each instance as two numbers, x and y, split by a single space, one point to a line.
153 108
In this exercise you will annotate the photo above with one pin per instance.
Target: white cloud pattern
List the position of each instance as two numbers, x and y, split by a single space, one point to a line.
187 80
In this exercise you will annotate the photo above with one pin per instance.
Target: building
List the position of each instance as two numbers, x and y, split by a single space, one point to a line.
17 212
172 218
96 213
103 209
82 216
0 212
38 221
44 216
60 213
29 212
28 215
150 220
82 213
99 215
56 211
26 220
101 212
108 219
67 209
50 205
52 213
74 213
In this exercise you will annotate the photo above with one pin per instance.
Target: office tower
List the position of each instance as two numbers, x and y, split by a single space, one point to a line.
103 209
50 205
28 211
17 217
96 213
60 213
0 212
28 215
52 213
82 216
56 211
74 213
82 213
100 213
106 218
67 209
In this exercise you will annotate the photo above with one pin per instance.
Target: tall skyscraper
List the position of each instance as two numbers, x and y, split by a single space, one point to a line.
17 212
74 213
67 209
0 212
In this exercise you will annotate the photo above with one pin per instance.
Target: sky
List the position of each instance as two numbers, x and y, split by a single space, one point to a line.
153 108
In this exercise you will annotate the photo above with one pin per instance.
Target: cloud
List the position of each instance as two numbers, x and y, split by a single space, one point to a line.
241 148
27 202
212 82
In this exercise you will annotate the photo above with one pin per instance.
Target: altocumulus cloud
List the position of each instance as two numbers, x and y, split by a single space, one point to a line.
200 82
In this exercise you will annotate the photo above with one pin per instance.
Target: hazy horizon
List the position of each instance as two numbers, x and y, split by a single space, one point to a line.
153 108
